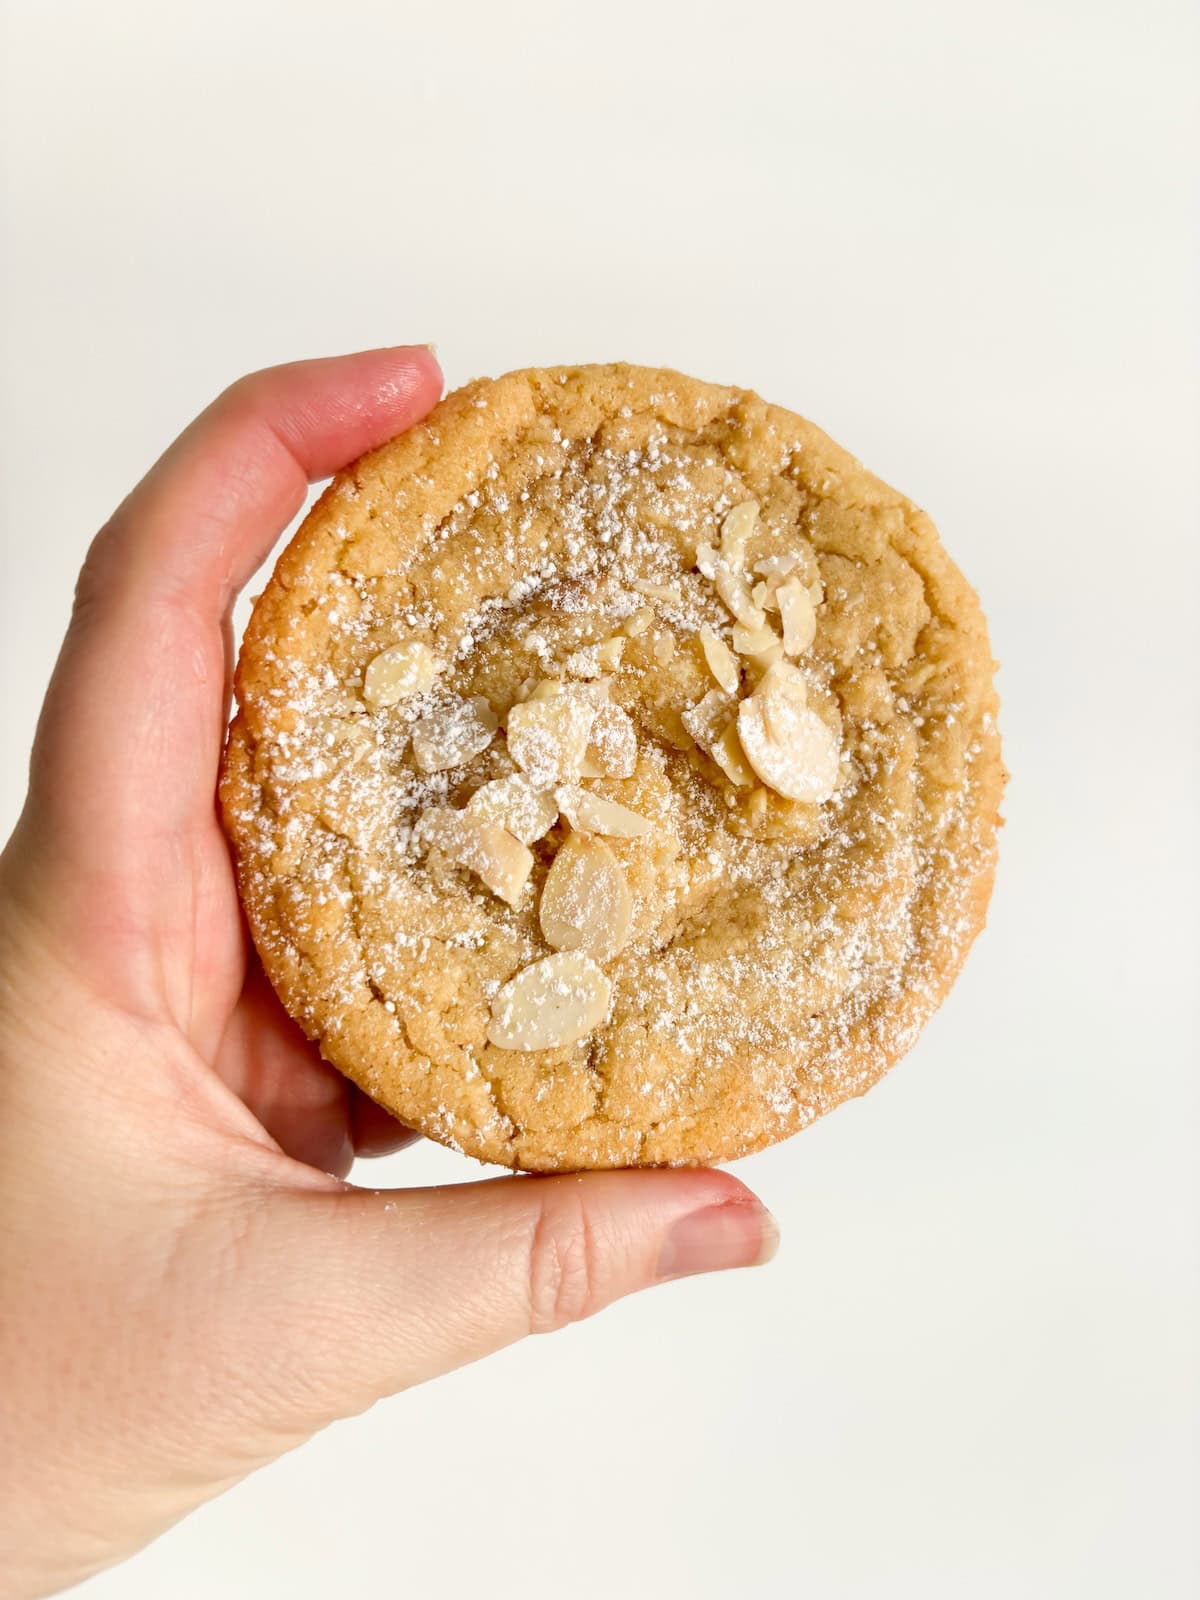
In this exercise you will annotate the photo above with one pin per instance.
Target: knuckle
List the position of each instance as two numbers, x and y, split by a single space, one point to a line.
242 397
96 574
240 391
564 1265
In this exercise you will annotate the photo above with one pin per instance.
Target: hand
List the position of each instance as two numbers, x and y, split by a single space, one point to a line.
187 1286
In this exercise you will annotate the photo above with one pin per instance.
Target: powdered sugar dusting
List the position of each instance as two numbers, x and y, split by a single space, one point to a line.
780 953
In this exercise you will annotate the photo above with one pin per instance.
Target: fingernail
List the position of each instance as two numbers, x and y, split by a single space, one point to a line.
737 1233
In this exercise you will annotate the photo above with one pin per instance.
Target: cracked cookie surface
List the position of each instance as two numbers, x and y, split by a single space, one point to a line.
626 712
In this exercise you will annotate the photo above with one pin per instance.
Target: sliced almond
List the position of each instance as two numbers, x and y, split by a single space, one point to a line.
737 527
594 660
514 804
548 739
586 904
584 663
778 708
595 691
489 851
610 652
663 647
787 744
592 813
776 568
668 592
735 592
453 735
547 689
756 804
707 720
783 671
707 560
728 754
638 622
798 615
722 662
555 1002
765 659
395 674
753 641
612 752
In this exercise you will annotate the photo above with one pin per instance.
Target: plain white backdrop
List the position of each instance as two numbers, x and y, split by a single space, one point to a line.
960 238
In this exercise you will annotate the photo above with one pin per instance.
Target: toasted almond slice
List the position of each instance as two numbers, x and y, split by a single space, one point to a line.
612 752
782 689
707 560
594 660
708 718
593 813
763 596
799 616
787 744
785 672
663 647
737 527
352 738
776 568
753 641
610 652
547 689
766 659
595 691
514 804
638 623
735 592
668 592
586 904
555 1002
548 739
453 735
395 674
722 662
489 851
585 662
728 754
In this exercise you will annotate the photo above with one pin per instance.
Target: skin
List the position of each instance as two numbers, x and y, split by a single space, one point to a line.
189 1286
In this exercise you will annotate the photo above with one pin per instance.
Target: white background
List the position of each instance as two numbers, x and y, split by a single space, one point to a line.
959 238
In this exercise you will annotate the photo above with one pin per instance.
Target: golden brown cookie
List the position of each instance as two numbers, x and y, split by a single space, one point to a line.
616 774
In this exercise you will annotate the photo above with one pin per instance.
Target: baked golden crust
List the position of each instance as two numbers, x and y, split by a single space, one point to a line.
782 954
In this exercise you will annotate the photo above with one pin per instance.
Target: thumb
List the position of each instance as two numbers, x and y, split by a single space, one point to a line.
413 1283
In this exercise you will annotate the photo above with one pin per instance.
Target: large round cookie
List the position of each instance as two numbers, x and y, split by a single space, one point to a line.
733 708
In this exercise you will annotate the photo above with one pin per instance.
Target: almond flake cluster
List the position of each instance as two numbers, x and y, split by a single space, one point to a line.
567 732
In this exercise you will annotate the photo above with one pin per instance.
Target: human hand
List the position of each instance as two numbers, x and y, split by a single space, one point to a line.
187 1286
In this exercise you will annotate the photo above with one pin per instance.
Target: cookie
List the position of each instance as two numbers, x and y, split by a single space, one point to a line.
615 779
